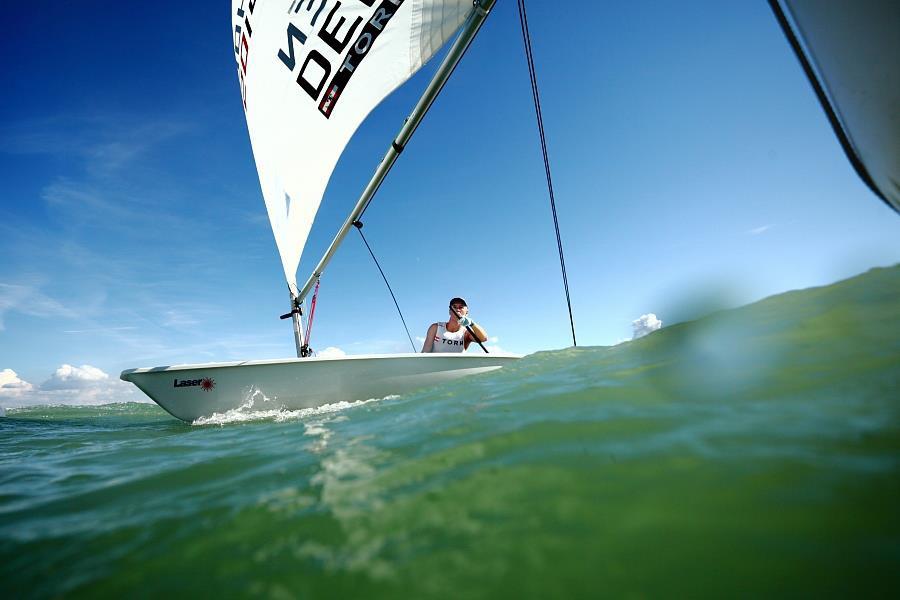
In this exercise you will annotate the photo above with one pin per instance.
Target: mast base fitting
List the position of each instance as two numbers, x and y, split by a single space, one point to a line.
305 351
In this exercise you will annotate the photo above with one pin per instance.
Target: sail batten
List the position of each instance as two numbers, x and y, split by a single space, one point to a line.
309 73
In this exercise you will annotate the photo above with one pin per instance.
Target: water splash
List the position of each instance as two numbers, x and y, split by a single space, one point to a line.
246 414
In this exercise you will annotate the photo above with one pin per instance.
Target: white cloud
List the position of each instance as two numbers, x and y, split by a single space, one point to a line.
11 386
100 329
645 324
493 347
761 229
178 318
68 377
331 352
378 346
28 300
84 385
105 141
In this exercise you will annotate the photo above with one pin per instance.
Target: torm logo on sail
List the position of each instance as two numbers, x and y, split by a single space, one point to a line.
323 72
337 33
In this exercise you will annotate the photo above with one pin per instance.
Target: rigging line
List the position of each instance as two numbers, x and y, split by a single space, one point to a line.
526 40
312 312
359 225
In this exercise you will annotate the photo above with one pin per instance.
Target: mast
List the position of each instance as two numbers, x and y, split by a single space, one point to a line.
454 55
296 316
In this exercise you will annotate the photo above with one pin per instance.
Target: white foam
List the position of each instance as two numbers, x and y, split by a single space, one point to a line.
245 413
315 429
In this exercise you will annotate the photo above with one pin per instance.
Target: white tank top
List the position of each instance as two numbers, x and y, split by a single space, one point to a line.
449 341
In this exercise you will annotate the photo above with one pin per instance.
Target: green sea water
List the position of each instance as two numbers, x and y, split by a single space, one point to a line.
754 452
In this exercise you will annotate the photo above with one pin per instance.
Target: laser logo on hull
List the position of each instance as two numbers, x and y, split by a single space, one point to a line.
206 383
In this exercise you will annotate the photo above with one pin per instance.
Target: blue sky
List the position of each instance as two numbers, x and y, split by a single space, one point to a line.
692 166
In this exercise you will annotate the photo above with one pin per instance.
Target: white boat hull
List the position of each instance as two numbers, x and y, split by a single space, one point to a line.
193 391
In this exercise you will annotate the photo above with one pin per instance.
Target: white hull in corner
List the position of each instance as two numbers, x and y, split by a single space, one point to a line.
193 391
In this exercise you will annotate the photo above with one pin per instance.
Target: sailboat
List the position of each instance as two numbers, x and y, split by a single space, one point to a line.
309 72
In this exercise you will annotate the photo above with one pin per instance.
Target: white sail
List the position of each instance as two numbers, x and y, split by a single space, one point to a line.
310 71
849 46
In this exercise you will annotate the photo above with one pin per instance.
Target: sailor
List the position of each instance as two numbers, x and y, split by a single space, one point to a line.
453 336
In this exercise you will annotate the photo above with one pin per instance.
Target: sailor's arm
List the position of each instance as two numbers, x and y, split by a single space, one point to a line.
429 338
480 333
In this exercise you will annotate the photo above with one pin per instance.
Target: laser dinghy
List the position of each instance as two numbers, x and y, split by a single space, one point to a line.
309 73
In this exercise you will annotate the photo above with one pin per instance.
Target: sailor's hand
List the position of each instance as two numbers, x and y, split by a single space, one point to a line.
465 321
